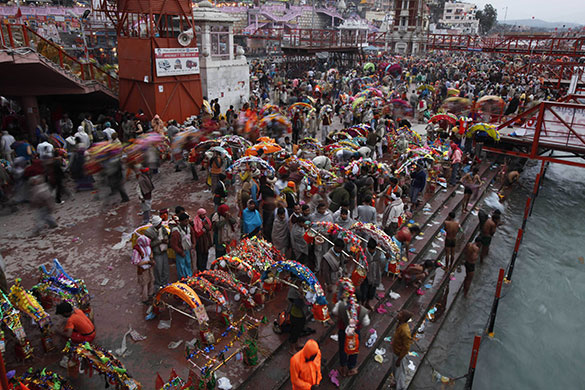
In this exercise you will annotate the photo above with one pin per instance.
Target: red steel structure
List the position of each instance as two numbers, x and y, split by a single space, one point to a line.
143 26
546 128
91 77
550 45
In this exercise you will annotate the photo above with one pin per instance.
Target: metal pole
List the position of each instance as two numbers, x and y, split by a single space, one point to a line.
492 321
472 362
81 20
331 243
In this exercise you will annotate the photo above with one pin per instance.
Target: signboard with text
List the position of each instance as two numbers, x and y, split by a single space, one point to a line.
176 61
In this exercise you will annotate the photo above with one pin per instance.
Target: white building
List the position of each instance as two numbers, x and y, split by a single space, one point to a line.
461 17
224 69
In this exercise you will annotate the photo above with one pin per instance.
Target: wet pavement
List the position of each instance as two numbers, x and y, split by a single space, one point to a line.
91 244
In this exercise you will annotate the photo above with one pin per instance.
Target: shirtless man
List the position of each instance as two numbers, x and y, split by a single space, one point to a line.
512 178
471 182
470 254
487 232
452 228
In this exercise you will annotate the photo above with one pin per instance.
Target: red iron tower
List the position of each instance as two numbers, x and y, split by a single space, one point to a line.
157 55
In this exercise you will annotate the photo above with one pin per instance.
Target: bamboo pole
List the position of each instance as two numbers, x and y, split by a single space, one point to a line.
344 252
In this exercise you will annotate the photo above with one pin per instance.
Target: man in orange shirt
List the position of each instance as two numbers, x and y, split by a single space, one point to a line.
78 327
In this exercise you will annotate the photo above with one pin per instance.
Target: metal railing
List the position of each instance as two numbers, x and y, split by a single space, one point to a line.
20 36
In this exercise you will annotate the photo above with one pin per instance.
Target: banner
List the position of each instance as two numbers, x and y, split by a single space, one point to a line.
176 61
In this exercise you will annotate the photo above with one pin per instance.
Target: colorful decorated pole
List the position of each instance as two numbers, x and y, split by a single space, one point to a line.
331 243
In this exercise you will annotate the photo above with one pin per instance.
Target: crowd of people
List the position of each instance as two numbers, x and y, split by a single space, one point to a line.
325 156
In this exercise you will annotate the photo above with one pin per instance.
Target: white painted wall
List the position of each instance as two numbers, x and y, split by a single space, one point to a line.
230 78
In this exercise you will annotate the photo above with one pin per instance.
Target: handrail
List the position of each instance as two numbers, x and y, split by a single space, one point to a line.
57 55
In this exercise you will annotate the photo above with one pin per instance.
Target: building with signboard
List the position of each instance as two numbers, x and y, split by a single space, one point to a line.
224 70
460 16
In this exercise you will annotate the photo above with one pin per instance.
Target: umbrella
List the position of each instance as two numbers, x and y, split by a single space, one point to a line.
358 101
235 140
426 87
369 67
452 119
394 69
300 106
221 150
265 146
277 121
486 128
249 160
453 92
456 104
269 109
204 145
491 104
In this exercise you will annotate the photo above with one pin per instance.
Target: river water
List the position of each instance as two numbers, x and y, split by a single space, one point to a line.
539 340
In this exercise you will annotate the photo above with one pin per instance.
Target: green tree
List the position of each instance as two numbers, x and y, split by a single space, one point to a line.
436 9
487 18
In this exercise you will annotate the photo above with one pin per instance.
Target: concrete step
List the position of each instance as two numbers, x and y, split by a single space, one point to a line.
372 374
273 372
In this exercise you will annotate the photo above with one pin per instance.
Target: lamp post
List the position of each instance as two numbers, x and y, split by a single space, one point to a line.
82 20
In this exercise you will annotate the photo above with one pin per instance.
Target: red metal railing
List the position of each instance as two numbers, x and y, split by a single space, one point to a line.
21 36
510 44
310 38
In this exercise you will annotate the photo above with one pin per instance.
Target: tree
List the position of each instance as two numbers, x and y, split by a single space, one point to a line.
487 18
436 9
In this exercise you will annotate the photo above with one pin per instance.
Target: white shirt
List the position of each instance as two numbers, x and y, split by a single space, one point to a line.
84 138
6 142
108 131
45 150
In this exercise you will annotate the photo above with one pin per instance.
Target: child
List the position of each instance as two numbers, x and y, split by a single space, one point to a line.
143 260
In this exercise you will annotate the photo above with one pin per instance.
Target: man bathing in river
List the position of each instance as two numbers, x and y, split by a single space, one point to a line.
487 232
452 228
470 254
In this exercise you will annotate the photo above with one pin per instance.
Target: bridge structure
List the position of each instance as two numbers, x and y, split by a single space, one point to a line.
33 67
549 132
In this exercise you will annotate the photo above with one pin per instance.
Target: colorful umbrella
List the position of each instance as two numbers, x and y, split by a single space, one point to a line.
300 106
491 104
394 69
369 67
453 92
456 104
242 162
275 122
265 146
485 127
452 119
426 87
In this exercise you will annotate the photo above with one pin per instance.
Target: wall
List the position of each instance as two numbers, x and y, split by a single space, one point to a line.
228 77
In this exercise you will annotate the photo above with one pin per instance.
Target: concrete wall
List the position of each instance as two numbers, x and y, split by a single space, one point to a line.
226 80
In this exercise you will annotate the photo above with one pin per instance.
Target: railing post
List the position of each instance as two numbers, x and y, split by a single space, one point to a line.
25 36
472 362
514 255
91 72
61 58
9 29
492 321
82 66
